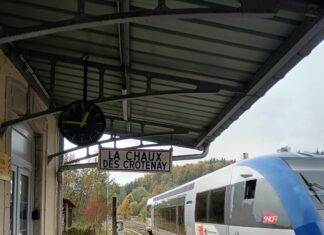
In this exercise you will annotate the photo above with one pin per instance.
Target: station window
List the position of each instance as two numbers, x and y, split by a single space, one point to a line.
250 189
216 206
201 207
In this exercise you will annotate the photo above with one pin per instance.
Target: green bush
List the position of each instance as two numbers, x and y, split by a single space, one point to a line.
79 231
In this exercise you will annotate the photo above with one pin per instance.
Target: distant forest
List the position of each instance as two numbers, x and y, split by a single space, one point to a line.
87 189
157 183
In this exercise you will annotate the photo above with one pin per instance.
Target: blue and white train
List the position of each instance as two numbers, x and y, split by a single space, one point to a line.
282 194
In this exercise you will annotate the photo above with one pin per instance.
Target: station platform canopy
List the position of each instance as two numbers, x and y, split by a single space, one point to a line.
173 72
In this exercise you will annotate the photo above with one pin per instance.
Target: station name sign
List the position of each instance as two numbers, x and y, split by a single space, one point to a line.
135 160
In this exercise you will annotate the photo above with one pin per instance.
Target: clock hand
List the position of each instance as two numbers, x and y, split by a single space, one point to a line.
84 119
72 122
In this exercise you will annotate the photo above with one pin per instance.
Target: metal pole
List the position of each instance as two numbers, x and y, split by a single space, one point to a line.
85 79
114 216
60 189
107 217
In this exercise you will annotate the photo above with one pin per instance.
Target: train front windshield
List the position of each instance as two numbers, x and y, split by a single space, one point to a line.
311 173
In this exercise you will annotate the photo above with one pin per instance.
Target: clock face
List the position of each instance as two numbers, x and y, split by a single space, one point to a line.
82 123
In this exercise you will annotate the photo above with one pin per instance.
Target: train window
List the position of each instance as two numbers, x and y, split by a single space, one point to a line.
201 207
250 189
181 224
165 218
216 206
169 216
316 190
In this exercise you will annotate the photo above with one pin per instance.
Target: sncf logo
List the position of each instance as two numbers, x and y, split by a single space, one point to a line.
202 231
270 217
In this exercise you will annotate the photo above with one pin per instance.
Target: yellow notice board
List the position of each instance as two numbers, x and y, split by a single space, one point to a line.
5 167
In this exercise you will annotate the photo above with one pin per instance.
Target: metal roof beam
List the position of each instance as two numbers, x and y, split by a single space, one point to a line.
96 154
26 71
52 84
79 166
29 117
95 164
148 95
147 74
50 157
81 158
164 140
211 89
155 124
124 47
86 21
297 46
293 5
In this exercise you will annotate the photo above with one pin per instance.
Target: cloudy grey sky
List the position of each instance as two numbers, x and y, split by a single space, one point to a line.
291 113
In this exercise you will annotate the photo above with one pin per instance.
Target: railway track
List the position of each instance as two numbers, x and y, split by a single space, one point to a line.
138 227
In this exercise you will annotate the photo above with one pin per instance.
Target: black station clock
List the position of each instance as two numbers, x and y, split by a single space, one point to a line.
82 123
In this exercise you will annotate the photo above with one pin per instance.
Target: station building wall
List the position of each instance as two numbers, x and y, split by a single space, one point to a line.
30 167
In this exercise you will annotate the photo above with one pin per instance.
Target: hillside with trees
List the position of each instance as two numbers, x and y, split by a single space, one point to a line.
87 189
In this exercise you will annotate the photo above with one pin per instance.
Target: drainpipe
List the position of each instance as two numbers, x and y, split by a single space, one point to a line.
60 190
192 156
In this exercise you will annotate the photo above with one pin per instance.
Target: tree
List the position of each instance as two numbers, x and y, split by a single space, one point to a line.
157 183
130 197
157 189
133 206
81 185
143 213
124 208
138 193
96 211
143 202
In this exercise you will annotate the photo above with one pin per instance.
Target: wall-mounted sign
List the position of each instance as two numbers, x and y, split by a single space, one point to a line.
5 167
135 160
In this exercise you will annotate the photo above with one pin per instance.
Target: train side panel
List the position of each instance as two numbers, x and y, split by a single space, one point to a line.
291 190
149 216
210 202
255 207
189 212
257 196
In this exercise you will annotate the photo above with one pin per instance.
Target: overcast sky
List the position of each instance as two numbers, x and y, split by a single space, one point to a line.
290 113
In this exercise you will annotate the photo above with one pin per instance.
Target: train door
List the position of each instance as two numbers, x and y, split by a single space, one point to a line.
210 212
21 181
254 206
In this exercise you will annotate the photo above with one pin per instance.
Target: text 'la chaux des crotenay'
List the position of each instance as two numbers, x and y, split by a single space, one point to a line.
135 160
